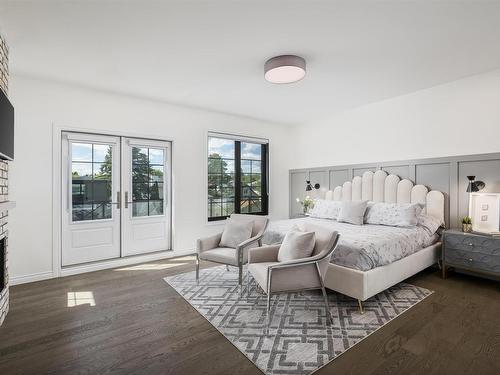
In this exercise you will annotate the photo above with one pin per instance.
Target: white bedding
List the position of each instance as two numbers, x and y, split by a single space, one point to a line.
362 247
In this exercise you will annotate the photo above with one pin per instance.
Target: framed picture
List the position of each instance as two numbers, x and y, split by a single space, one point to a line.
484 209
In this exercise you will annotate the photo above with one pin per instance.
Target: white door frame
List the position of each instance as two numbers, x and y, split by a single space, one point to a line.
130 224
107 230
57 194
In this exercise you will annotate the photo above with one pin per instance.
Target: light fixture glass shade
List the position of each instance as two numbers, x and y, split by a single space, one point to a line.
285 69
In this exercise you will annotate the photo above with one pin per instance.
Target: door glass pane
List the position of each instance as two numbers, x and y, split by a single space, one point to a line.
91 177
148 177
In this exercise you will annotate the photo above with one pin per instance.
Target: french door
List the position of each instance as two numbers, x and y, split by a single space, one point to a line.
117 193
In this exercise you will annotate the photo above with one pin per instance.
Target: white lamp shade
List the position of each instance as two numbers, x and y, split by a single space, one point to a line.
285 69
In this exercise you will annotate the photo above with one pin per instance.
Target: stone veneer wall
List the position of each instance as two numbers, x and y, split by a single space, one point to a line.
4 85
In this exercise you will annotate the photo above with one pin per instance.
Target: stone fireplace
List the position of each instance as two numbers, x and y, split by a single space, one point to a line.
4 196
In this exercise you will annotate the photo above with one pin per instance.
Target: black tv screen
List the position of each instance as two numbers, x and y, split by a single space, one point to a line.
6 128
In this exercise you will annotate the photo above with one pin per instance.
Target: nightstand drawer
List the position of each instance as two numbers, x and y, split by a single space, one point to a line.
473 260
474 252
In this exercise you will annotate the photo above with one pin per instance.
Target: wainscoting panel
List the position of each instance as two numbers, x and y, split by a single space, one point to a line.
446 174
398 170
435 175
360 171
297 190
337 178
319 177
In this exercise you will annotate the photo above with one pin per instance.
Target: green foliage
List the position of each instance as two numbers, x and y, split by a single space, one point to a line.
466 220
218 176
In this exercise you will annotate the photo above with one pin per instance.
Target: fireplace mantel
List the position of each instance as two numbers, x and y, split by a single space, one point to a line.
7 205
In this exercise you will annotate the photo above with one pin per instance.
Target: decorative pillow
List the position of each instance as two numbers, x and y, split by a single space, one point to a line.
429 222
297 244
324 209
235 232
393 214
352 212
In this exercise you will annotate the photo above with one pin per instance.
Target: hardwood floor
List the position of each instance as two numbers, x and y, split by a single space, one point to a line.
140 325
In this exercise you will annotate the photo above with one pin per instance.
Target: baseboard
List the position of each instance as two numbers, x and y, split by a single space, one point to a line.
98 266
16 280
136 259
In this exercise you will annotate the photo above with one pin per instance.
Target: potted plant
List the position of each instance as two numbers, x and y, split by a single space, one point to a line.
306 204
466 224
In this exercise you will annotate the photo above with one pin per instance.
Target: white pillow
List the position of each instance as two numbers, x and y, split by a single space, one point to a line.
324 209
297 244
235 232
429 222
352 212
393 214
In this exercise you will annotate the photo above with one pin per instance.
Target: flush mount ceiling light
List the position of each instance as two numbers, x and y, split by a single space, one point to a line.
285 69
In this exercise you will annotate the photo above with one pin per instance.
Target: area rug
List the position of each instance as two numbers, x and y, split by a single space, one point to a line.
298 339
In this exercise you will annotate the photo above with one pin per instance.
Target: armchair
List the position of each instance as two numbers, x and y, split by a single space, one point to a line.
208 248
298 274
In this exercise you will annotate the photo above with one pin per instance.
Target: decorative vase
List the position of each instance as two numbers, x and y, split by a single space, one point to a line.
467 228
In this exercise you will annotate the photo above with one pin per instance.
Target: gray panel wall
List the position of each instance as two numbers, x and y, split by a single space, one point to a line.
297 190
448 175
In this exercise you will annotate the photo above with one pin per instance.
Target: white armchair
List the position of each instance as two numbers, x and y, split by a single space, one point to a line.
208 248
293 275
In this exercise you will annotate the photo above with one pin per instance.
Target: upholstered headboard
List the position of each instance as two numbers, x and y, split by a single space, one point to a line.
381 187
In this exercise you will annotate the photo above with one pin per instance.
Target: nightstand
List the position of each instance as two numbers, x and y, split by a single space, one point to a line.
473 252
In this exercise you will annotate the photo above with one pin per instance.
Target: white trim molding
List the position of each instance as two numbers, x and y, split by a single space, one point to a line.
17 280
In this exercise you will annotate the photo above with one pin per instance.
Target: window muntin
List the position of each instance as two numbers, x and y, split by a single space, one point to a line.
91 175
236 182
148 177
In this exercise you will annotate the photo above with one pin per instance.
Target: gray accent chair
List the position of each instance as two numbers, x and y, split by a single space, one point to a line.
208 248
293 275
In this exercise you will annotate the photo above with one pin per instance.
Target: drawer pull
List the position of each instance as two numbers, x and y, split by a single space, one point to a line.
470 259
471 244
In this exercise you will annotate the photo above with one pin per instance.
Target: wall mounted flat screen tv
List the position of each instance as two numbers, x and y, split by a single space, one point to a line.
6 128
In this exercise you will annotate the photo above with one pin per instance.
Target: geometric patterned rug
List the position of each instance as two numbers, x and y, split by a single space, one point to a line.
298 339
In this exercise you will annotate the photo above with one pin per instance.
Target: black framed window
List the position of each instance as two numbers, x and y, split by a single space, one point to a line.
237 177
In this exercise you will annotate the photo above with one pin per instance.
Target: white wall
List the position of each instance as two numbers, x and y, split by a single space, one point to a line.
40 105
457 118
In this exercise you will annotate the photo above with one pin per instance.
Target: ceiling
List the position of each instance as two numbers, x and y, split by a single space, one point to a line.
210 54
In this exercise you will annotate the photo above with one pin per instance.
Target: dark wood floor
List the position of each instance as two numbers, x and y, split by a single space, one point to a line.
140 325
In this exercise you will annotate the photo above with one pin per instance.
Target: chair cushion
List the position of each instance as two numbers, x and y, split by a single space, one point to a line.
352 212
259 272
224 255
236 232
293 278
297 244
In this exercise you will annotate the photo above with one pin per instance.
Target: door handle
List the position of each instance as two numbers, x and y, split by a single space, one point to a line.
118 200
126 200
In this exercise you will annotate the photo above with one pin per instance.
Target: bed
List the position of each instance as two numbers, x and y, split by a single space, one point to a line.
371 258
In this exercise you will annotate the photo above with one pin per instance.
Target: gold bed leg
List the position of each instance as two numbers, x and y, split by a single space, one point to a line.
360 303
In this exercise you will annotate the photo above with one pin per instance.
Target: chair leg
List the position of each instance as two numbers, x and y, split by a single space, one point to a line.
240 278
325 296
268 313
360 304
197 268
327 306
248 283
259 242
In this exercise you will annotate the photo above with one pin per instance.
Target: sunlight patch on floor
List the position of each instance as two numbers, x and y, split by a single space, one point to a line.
80 298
